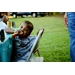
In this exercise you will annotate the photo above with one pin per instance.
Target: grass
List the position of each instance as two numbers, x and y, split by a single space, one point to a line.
54 44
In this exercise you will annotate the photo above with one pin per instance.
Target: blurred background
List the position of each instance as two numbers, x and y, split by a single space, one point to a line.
33 14
54 44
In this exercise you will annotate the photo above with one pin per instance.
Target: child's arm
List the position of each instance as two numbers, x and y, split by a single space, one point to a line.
39 30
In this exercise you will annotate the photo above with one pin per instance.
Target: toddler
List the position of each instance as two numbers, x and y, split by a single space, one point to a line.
23 42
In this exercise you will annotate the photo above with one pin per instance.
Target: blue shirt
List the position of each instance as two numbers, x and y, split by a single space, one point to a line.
22 47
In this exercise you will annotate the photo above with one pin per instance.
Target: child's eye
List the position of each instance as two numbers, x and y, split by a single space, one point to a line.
21 27
26 30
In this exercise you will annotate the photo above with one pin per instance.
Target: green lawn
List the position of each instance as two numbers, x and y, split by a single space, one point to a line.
54 44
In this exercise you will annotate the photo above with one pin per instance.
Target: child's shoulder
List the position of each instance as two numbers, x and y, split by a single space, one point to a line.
31 37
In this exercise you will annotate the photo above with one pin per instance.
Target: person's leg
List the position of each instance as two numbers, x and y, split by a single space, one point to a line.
71 29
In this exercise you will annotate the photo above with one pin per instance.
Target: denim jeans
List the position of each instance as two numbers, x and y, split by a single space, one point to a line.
71 29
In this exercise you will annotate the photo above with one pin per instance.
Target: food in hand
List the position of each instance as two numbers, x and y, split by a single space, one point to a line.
13 35
21 33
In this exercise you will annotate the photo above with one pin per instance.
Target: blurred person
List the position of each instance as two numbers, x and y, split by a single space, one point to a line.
69 20
2 14
3 24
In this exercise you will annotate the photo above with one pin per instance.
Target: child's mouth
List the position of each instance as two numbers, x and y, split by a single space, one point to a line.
21 33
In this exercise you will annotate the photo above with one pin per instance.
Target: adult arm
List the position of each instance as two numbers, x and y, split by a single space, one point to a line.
65 20
9 30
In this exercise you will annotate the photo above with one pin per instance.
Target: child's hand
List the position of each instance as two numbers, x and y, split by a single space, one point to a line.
39 30
13 35
19 32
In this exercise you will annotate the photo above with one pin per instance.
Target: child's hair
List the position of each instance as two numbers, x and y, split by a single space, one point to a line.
29 24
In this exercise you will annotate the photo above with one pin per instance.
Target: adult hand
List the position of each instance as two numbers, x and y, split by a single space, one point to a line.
65 20
9 30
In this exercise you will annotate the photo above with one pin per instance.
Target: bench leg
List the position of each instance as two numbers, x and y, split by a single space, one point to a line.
38 53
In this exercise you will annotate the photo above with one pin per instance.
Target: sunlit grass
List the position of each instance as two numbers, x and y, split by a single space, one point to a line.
54 44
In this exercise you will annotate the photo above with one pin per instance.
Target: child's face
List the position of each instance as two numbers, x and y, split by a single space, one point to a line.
24 28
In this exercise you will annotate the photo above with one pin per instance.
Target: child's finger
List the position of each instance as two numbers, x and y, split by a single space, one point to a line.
13 35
